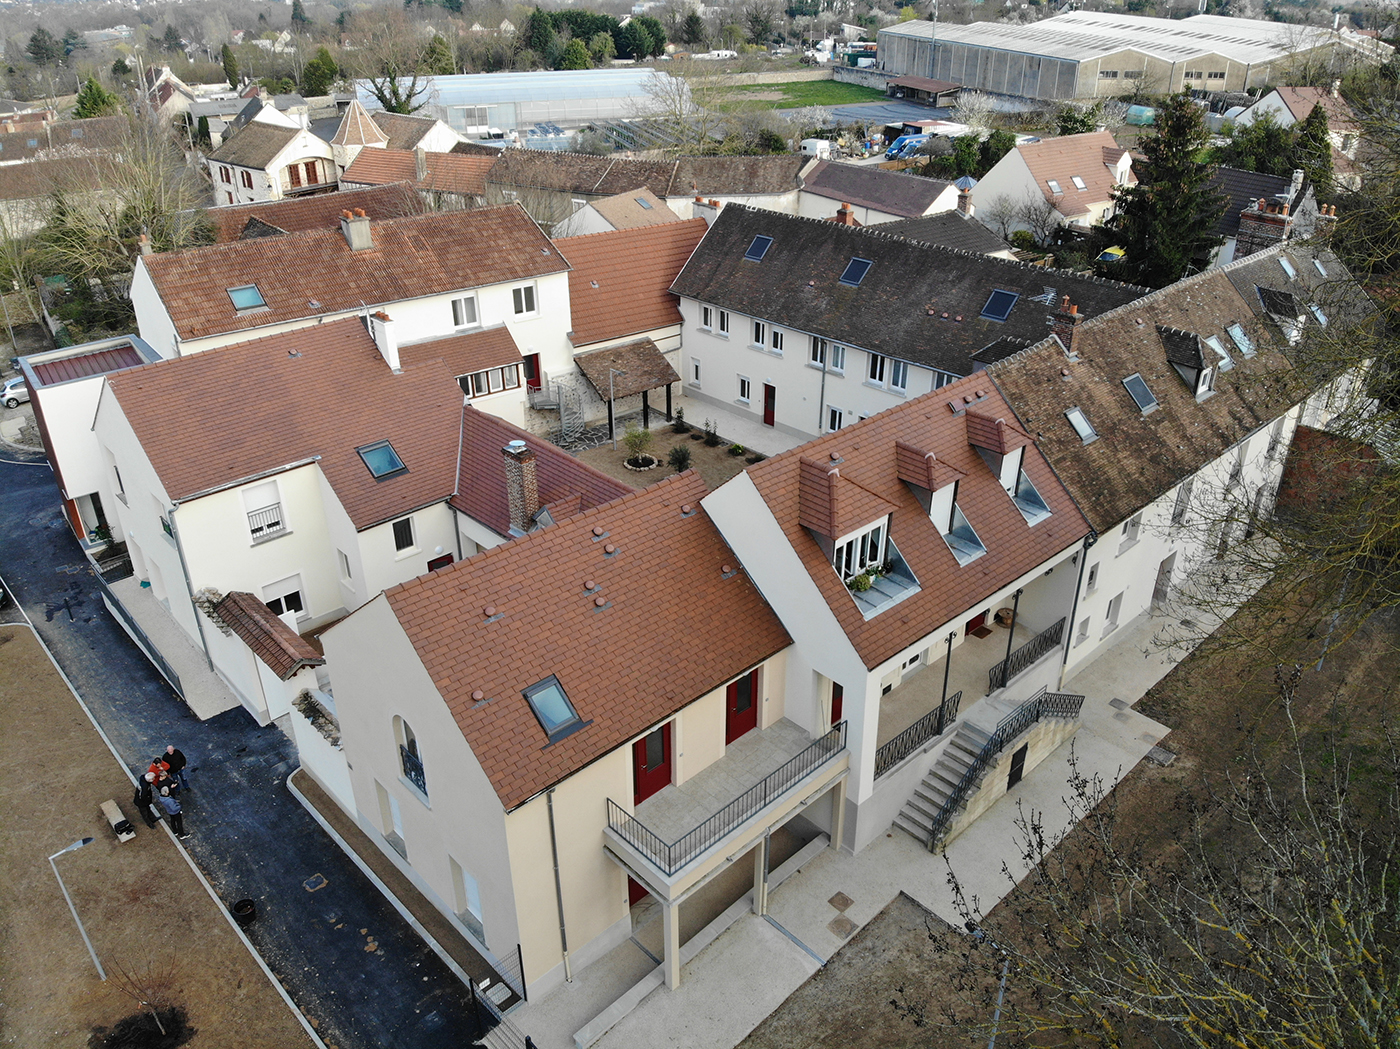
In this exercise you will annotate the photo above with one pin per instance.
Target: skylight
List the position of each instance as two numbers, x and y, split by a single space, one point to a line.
381 459
1138 390
643 202
556 714
999 305
1287 267
1321 269
855 271
1054 186
1240 339
1317 312
758 248
1226 361
1081 425
246 297
1078 182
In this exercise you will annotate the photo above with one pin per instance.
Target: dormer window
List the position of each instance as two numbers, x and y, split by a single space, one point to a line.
864 550
961 537
1226 361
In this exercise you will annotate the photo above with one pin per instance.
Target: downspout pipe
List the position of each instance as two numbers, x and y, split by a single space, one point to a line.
1089 540
558 887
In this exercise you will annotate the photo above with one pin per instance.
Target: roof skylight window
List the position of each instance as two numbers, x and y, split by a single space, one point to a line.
1226 361
1240 338
1287 266
1054 186
758 248
999 305
645 204
1317 312
1081 425
1137 389
246 297
855 271
1078 182
381 459
551 705
1321 269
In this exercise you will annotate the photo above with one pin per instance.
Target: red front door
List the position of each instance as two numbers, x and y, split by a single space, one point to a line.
532 371
975 623
770 403
651 763
636 891
741 709
837 695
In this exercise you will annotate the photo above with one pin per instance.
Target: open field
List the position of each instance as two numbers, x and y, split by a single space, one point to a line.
798 93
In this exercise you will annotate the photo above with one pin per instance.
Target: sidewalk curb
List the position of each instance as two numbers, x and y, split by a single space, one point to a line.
228 916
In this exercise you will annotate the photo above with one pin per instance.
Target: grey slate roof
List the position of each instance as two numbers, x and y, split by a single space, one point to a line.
255 145
1244 188
404 130
1340 297
947 229
892 192
917 302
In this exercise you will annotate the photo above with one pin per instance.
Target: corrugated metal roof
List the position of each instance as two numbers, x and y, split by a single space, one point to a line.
483 89
97 363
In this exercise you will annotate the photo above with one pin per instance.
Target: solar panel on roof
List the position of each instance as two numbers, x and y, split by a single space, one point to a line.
758 248
999 305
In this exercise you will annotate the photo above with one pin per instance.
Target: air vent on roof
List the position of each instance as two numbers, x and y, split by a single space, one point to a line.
999 305
758 248
855 272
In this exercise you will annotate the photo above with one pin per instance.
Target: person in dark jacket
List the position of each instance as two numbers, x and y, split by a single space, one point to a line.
176 760
145 798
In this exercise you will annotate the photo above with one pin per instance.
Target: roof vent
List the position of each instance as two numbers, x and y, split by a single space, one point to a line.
590 584
598 531
836 458
489 611
609 550
478 695
599 601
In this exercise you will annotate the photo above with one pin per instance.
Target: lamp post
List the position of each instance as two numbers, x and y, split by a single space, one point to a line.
76 845
612 420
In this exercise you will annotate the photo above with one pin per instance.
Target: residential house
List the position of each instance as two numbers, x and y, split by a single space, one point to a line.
1169 419
270 158
27 190
1290 106
626 332
871 194
50 140
444 180
355 133
406 131
1245 227
302 214
167 95
809 326
1074 176
434 275
631 210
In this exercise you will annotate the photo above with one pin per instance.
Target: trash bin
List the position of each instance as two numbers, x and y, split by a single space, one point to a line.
245 912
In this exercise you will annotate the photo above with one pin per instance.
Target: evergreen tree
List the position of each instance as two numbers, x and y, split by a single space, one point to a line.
693 29
319 74
1312 151
656 32
997 145
95 101
45 48
1169 217
230 65
201 133
576 56
538 34
1261 146
171 41
300 23
602 48
1075 120
437 58
120 68
72 41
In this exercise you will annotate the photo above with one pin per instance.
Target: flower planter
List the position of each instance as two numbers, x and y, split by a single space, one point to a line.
652 462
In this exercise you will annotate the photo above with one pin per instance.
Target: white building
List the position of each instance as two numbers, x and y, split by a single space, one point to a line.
1075 176
269 158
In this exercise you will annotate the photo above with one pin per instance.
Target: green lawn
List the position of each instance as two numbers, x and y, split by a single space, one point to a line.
805 93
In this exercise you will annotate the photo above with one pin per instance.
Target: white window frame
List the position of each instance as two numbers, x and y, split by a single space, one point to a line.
899 375
1091 582
776 341
875 369
527 296
856 553
695 371
1132 529
412 545
836 358
282 588
343 560
760 335
1182 506
706 317
816 354
836 415
460 305
723 320
1115 609
745 389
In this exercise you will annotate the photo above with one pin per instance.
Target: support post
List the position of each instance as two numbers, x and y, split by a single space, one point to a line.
646 412
838 812
669 416
671 943
760 876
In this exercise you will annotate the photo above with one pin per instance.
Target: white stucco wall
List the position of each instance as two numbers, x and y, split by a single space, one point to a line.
153 321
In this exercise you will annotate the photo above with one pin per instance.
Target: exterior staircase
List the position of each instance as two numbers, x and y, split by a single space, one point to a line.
939 786
565 398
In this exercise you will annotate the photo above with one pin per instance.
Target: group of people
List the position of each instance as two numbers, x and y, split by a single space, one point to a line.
159 785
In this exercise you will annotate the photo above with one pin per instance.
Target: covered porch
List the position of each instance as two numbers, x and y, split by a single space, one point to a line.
624 371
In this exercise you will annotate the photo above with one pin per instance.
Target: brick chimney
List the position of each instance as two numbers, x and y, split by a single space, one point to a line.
144 243
1326 223
965 202
381 329
1262 225
522 486
845 216
355 227
1064 324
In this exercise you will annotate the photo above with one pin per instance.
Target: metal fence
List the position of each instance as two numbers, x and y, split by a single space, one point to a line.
930 726
1023 657
672 856
139 636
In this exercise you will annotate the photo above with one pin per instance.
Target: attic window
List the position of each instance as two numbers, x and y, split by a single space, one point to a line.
758 248
856 270
1078 182
1054 186
1240 339
1317 312
1226 361
1138 390
556 714
999 305
643 203
1287 267
246 297
1081 425
381 459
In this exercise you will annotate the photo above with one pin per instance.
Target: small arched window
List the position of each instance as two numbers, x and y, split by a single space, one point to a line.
410 757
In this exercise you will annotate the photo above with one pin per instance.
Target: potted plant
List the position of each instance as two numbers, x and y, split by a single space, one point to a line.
861 583
679 459
736 450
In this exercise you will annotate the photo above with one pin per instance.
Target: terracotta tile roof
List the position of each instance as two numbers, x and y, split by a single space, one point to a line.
324 391
625 665
95 134
1301 100
81 366
476 149
627 211
923 469
316 273
833 506
645 368
607 176
445 172
994 432
279 646
357 129
873 460
948 229
37 179
917 302
892 192
1138 457
1087 156
566 485
319 212
255 145
404 130
620 283
464 354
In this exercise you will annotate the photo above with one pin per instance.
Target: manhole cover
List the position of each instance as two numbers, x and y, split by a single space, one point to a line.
840 901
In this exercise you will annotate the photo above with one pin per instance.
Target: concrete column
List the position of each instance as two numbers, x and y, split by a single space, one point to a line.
838 812
671 943
760 877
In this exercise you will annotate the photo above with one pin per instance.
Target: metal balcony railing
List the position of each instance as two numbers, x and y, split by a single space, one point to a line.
413 769
930 726
672 856
266 523
1023 657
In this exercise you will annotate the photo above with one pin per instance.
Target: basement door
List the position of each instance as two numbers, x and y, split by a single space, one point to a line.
651 763
741 707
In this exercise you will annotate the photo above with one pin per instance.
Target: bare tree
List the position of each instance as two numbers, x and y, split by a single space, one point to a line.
974 109
686 100
391 53
1038 215
1000 215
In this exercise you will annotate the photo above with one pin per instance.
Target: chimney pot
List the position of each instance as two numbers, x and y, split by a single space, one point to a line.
522 485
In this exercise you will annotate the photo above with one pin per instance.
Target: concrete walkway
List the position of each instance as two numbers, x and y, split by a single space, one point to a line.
754 965
734 427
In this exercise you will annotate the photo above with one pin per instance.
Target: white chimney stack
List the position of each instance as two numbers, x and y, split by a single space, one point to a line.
381 328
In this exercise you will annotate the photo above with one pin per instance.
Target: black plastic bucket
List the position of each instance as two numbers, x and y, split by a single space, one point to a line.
245 912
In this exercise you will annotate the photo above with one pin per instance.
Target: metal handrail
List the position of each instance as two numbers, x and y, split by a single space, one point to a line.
930 726
672 856
1042 704
1024 656
267 522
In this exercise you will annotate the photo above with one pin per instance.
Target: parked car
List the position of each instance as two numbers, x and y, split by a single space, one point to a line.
14 393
